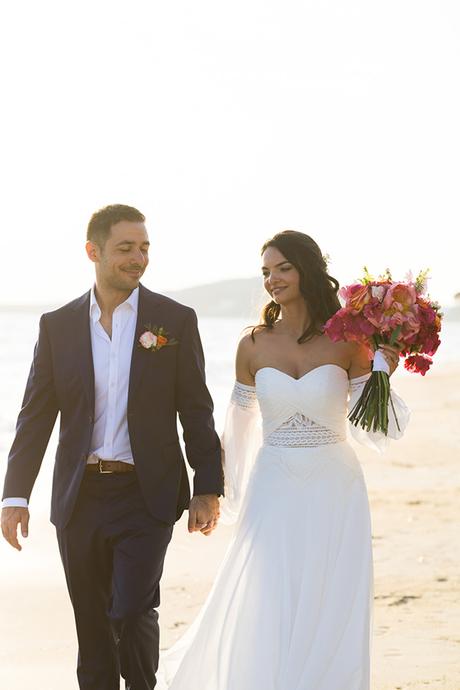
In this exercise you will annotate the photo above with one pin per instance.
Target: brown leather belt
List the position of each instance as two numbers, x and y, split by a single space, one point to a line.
110 467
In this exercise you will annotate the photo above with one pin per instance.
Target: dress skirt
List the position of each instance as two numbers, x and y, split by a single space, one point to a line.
290 608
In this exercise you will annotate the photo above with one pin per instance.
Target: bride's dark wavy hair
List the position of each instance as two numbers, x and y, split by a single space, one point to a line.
318 288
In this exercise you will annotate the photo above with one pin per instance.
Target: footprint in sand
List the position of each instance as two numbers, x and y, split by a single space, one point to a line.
404 599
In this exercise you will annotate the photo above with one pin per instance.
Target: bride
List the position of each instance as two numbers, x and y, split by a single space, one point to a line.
291 605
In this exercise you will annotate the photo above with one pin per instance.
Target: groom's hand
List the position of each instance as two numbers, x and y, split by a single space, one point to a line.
204 513
11 518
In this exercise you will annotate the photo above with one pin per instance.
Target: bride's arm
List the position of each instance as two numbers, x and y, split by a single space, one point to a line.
242 435
243 362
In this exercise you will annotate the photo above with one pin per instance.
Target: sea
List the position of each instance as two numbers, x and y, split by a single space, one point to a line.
18 333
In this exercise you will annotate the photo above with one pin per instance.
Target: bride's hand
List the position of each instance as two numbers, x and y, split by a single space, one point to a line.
391 354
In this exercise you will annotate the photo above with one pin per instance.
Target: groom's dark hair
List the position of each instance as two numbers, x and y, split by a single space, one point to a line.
102 220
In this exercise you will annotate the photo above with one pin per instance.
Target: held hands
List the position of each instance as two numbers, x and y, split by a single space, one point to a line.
11 518
204 512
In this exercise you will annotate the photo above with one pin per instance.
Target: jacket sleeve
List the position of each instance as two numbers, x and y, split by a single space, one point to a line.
195 408
35 422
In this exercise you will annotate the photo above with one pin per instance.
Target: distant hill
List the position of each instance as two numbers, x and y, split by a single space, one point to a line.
246 297
241 297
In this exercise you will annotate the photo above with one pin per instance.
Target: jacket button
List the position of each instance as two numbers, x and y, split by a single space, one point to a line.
91 419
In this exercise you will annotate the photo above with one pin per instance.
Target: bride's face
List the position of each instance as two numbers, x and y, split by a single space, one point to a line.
281 278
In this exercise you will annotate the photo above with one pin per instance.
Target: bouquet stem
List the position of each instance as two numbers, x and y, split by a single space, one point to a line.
371 410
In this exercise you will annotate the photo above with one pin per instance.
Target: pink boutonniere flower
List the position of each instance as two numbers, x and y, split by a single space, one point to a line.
155 337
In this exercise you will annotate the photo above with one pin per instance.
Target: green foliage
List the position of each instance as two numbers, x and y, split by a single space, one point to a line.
421 281
367 277
386 276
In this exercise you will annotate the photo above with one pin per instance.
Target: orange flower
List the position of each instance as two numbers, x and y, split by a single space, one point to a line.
360 298
161 340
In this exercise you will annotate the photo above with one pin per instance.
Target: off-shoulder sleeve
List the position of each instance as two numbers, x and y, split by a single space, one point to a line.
241 440
396 428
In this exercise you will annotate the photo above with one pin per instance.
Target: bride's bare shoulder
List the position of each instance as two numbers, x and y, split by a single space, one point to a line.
352 356
336 350
248 348
248 341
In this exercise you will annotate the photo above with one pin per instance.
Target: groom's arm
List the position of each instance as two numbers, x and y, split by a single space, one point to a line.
195 408
34 426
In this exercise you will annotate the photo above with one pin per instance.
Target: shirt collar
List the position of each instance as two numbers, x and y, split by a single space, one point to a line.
95 311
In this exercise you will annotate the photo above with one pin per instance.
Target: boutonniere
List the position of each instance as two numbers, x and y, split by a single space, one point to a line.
155 337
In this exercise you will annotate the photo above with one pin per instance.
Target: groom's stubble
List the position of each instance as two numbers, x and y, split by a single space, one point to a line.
122 260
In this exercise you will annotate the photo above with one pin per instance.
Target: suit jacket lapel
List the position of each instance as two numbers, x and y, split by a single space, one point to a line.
140 357
84 354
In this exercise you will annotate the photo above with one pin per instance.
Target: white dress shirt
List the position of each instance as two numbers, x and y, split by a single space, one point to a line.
112 365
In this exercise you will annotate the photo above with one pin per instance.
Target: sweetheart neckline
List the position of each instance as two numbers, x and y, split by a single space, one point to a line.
321 366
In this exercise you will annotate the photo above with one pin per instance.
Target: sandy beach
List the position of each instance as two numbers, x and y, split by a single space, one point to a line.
414 492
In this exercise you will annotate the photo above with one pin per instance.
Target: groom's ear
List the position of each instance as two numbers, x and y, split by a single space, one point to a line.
93 251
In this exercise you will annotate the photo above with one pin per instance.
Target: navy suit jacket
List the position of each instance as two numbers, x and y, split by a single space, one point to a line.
162 384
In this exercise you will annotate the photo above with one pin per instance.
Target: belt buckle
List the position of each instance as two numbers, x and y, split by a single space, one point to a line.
101 471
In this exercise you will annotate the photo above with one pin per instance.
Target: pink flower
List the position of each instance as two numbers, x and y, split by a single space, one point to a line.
431 344
411 323
148 340
400 297
373 312
335 326
356 296
395 320
418 364
347 325
426 311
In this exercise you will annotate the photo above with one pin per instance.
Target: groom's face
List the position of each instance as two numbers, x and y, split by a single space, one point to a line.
122 261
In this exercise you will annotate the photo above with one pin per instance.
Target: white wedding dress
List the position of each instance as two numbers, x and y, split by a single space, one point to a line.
291 606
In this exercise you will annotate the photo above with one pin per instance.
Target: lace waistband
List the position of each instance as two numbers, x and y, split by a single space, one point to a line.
300 432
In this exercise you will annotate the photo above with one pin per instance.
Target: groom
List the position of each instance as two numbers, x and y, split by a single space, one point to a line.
118 364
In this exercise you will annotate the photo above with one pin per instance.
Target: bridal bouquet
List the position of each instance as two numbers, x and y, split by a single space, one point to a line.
384 311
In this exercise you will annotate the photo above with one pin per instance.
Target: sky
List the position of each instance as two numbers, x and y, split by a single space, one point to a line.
225 123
